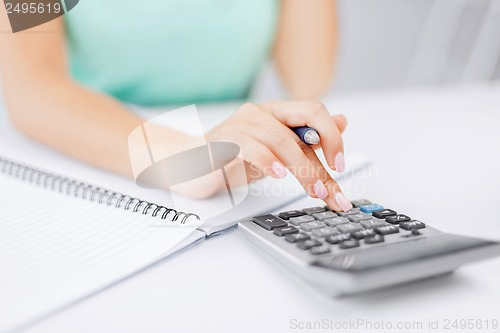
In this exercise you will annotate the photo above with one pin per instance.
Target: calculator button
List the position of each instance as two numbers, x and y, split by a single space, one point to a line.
396 219
308 226
361 202
336 221
325 232
313 210
373 223
387 229
307 244
289 214
293 238
349 228
359 217
349 244
269 221
371 208
300 219
411 225
338 238
382 214
285 231
364 233
374 239
320 249
325 215
350 212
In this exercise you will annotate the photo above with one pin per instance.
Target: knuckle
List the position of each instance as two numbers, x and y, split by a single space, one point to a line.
261 157
224 132
254 172
332 184
265 164
309 187
278 138
338 143
227 134
251 113
266 158
306 173
316 107
248 106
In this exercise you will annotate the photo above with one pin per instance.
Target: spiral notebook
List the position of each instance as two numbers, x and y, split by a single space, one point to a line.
62 239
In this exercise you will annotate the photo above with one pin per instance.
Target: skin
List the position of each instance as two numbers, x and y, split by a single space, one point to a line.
45 104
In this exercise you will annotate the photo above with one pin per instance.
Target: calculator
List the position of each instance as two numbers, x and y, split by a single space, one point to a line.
369 247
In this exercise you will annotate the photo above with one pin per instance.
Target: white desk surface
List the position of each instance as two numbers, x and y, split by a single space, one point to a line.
436 158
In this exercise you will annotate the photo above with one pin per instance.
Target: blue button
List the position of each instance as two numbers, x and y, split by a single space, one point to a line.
370 208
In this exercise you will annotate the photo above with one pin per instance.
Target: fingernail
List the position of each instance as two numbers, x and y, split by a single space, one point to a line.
343 203
339 162
320 190
279 170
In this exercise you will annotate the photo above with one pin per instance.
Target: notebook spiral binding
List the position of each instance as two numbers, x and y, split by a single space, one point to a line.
89 192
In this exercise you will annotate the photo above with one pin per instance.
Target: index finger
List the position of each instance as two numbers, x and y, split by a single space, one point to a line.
315 115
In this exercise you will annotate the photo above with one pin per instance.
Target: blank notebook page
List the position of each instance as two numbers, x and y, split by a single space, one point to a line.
55 248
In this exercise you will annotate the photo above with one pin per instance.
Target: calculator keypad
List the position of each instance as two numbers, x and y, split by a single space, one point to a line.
300 237
370 208
322 249
325 232
313 210
308 244
365 233
382 214
397 219
301 219
349 212
359 217
290 214
283 231
336 221
387 229
269 221
319 230
308 226
375 239
359 203
338 238
349 228
410 225
349 244
324 215
373 223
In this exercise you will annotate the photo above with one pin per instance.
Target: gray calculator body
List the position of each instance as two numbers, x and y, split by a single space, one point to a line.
402 257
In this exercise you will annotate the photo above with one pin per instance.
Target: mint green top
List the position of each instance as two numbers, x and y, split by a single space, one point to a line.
156 52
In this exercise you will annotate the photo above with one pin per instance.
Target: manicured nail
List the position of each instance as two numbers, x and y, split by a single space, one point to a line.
339 162
320 190
343 203
279 170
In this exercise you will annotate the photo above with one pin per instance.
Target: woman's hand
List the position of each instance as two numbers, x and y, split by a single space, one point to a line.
262 131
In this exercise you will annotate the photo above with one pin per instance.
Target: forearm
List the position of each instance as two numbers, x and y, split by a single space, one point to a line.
306 46
84 124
